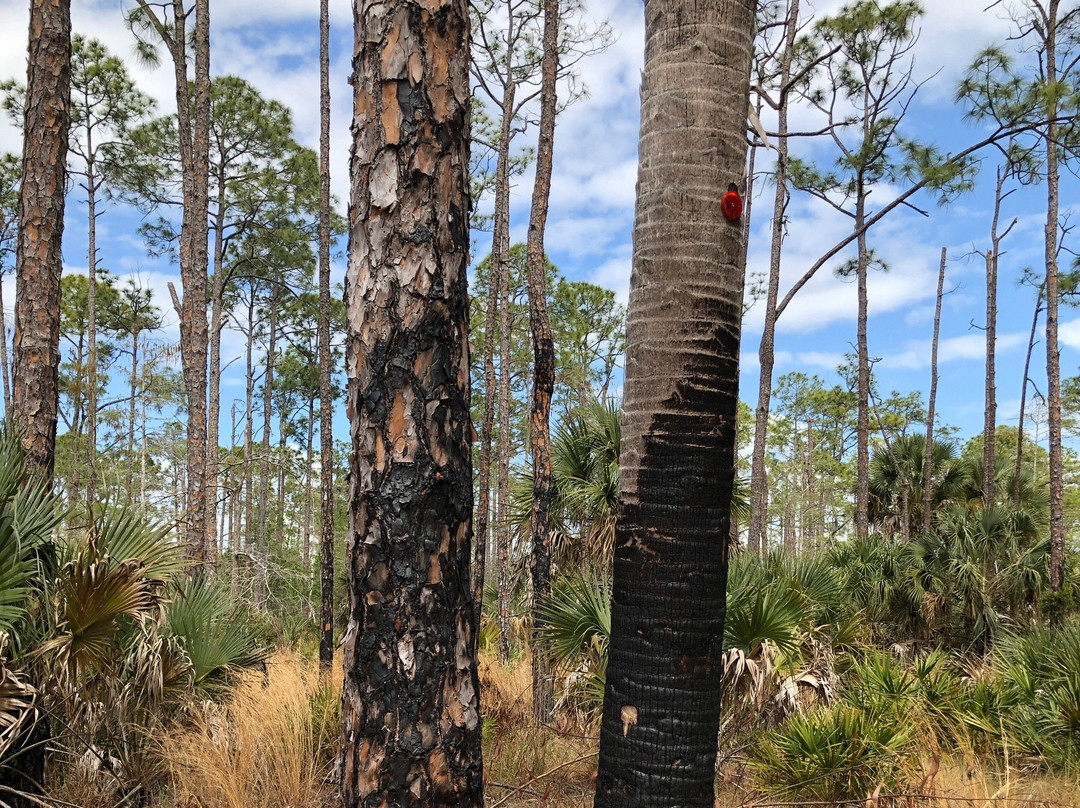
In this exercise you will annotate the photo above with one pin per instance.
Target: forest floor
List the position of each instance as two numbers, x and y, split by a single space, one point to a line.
554 766
273 741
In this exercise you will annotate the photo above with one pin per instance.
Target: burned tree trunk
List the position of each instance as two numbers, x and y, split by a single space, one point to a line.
411 734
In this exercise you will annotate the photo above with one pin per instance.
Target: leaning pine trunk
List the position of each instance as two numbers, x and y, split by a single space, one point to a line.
928 457
662 699
410 706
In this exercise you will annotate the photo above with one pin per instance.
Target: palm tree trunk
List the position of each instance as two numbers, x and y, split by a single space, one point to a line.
408 646
662 696
39 263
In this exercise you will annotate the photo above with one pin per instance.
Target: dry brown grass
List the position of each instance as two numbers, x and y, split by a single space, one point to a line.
527 764
265 748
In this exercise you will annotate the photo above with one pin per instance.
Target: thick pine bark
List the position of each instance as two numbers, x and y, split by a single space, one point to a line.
39 263
410 703
543 361
326 413
931 406
759 484
662 699
500 243
1053 352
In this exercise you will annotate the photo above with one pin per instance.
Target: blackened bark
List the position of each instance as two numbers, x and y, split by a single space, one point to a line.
38 262
326 393
662 698
928 456
543 361
411 733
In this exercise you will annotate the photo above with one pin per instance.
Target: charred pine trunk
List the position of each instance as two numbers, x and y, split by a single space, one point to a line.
410 702
38 260
677 466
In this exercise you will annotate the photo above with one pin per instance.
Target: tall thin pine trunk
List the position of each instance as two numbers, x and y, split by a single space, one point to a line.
759 484
677 466
862 449
261 544
5 359
543 360
500 243
217 322
38 260
91 325
326 414
133 387
1053 351
249 429
931 405
408 646
502 525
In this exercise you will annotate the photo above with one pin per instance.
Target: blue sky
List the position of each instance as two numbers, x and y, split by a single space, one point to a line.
589 237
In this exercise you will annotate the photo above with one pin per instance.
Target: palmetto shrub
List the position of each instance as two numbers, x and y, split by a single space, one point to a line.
834 753
103 622
1038 684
